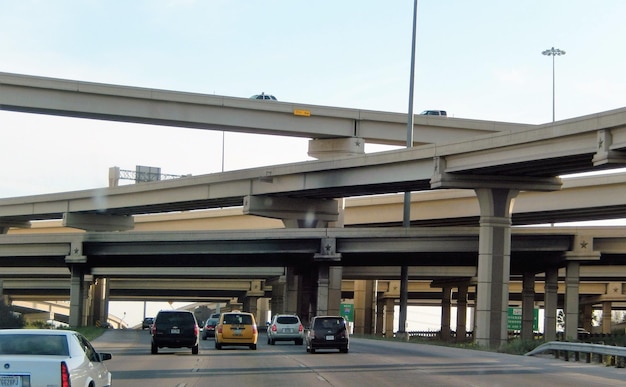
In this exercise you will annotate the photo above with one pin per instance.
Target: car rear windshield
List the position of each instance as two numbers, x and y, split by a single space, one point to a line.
175 319
233 319
18 344
334 324
287 320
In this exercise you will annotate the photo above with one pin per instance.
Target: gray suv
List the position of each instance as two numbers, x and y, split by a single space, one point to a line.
285 327
175 329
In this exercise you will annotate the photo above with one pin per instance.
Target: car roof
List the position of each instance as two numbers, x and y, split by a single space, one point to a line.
59 332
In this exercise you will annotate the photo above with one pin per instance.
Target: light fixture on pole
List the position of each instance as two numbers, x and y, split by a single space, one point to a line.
553 52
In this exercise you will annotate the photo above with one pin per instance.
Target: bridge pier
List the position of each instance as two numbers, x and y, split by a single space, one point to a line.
461 313
551 299
528 305
363 298
494 255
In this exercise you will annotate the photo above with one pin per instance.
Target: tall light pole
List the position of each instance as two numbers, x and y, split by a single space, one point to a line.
406 219
553 52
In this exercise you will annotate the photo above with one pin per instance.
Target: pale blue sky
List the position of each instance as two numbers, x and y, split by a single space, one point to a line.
475 59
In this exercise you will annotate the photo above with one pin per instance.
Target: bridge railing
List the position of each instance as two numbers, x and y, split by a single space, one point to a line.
608 354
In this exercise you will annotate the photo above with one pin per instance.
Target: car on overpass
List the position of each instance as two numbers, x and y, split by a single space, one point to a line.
441 113
267 97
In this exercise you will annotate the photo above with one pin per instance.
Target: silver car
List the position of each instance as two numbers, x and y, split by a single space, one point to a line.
285 327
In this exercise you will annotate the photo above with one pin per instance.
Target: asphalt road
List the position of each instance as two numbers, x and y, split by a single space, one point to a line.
369 363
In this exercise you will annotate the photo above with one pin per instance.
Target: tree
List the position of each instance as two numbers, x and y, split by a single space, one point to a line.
10 318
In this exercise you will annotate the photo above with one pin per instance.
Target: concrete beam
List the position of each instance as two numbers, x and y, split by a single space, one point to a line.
308 211
98 222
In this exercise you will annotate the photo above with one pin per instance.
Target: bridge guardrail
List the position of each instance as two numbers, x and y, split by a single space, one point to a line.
617 354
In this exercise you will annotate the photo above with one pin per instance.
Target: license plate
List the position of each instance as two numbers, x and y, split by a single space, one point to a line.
330 337
237 332
175 331
13 381
287 330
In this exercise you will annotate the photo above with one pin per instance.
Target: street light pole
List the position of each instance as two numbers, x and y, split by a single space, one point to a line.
406 219
553 52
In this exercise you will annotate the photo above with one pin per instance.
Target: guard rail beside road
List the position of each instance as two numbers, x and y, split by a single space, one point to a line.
609 355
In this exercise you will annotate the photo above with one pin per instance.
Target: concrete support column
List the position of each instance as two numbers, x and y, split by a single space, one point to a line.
100 302
461 314
607 307
528 306
293 287
250 305
77 287
323 286
277 302
263 311
446 312
389 312
551 299
363 293
380 317
572 283
493 266
329 290
587 316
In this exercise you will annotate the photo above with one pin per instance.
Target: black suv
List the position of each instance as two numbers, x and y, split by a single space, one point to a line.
175 329
327 332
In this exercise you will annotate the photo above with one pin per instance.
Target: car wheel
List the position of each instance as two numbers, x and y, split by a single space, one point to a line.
343 350
154 349
218 345
194 349
273 342
253 346
299 342
269 341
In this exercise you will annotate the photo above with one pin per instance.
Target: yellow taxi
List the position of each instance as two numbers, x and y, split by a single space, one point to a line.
236 329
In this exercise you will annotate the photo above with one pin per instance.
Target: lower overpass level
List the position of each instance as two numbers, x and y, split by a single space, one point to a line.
296 270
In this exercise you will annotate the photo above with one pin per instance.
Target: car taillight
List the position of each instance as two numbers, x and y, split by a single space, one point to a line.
300 328
254 330
196 330
219 329
274 328
153 328
65 375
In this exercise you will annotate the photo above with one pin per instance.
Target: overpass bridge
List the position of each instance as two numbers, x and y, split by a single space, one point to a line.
497 166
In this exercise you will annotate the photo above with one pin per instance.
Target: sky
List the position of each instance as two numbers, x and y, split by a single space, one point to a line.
476 59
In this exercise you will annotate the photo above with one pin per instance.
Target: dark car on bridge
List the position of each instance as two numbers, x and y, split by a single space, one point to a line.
175 329
327 332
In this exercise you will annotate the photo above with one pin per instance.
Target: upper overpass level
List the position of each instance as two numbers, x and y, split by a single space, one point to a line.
71 98
530 160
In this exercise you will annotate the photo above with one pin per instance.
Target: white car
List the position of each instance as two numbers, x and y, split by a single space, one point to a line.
46 357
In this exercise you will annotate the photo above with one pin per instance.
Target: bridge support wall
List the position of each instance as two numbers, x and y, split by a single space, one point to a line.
494 254
551 300
528 305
